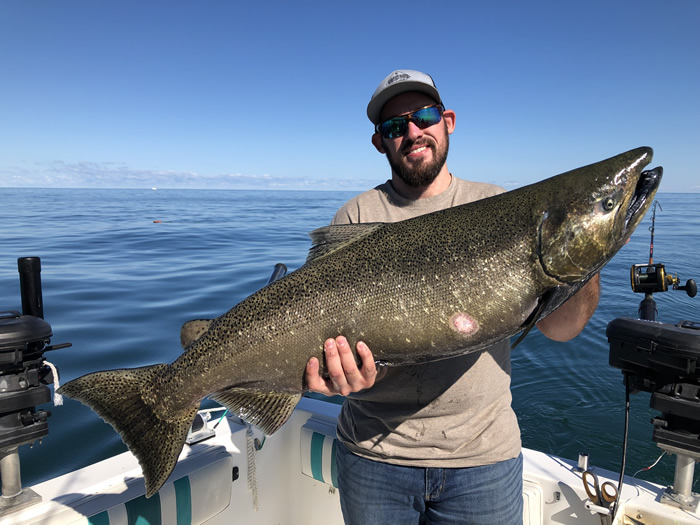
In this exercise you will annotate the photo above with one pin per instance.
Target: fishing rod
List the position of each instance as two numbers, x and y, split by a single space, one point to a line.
651 229
651 278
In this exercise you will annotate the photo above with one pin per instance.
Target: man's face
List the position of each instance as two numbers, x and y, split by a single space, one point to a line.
420 154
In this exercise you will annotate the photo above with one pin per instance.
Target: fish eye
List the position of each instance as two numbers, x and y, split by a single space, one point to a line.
608 203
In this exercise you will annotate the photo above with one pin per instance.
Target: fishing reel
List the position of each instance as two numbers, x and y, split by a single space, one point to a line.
652 278
24 374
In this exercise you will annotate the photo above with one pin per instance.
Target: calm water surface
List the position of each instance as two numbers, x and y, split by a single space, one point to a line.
119 286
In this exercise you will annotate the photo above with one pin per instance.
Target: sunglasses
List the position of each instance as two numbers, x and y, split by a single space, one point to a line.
398 126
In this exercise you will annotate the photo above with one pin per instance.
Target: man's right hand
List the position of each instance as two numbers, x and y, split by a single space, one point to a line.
344 375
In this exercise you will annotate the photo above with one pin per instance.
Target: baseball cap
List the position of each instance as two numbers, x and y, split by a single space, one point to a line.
400 81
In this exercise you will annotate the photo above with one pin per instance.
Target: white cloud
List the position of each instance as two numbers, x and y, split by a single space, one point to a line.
510 184
59 174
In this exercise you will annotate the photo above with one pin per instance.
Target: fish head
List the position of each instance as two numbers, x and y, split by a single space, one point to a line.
591 213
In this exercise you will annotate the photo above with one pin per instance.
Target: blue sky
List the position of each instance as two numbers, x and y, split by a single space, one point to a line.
233 94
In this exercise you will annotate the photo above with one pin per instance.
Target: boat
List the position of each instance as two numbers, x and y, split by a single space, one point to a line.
228 472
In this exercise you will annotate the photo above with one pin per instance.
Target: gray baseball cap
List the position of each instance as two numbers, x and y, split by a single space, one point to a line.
400 81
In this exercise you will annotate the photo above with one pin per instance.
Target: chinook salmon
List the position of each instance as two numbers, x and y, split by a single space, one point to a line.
428 288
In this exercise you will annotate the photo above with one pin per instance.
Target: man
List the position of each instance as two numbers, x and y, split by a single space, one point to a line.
436 442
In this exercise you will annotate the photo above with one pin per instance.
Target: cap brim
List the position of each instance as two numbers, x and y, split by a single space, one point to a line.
374 108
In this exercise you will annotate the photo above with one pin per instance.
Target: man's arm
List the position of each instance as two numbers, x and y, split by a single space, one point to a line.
567 321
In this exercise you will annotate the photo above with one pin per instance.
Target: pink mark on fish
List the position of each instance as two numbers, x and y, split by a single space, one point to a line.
464 324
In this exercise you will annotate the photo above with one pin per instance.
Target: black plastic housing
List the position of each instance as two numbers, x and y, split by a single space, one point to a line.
663 359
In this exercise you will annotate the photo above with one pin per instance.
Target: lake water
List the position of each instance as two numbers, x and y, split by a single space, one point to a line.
118 286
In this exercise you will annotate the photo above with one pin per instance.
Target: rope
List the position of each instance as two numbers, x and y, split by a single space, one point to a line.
651 466
57 398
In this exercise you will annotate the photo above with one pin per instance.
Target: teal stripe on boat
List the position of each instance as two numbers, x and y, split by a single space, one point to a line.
334 472
317 455
142 511
99 519
183 501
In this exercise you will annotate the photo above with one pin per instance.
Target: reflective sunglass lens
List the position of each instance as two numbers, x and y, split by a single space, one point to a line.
426 117
395 127
423 118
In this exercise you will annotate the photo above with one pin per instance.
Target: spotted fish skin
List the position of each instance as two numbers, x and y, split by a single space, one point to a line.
428 288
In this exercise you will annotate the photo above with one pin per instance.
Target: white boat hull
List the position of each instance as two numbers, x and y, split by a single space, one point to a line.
294 485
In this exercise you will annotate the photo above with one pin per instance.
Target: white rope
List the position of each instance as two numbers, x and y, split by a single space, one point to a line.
650 467
57 398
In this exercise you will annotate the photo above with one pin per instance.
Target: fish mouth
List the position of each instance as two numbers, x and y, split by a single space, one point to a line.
647 185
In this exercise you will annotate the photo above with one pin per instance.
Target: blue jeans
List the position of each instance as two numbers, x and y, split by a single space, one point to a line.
375 493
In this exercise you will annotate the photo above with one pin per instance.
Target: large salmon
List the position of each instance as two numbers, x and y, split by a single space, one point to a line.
428 288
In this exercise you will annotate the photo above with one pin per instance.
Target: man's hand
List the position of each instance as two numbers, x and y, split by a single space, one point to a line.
344 375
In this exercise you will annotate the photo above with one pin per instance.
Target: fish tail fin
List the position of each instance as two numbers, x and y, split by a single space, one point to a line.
123 399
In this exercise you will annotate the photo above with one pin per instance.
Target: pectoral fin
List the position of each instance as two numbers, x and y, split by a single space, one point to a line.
546 304
543 303
529 324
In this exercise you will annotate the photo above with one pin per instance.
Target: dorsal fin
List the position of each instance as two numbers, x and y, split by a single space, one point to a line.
329 239
193 330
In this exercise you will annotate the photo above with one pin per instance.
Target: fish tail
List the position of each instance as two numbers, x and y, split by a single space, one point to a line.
125 399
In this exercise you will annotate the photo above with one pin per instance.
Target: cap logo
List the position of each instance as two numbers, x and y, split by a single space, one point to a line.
399 76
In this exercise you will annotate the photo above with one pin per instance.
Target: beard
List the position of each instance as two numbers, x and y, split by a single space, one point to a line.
422 174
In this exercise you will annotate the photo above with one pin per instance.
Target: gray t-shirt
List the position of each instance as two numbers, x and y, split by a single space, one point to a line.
450 413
